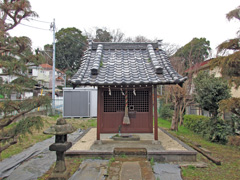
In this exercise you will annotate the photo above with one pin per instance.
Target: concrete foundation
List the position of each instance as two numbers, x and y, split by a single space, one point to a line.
166 149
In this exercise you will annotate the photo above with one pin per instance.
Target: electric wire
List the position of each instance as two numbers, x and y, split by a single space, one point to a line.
34 27
40 21
30 26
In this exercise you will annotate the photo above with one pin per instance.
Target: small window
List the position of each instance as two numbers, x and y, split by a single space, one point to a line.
30 71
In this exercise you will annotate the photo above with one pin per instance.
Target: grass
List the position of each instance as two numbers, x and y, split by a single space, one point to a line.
152 162
29 139
111 160
229 156
163 123
85 124
123 156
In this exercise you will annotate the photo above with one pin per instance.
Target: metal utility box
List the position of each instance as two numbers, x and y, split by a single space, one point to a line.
80 102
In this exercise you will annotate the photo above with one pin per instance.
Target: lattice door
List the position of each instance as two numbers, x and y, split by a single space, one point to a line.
116 101
139 111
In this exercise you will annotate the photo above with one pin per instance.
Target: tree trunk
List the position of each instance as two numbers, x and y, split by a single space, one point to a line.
181 110
181 119
174 125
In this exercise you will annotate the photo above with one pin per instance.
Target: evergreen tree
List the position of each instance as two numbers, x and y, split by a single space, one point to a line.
16 57
229 63
197 50
69 48
210 91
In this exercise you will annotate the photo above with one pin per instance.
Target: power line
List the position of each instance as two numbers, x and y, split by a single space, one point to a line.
34 27
29 25
40 21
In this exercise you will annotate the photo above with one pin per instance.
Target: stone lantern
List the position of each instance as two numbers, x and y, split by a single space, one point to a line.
60 130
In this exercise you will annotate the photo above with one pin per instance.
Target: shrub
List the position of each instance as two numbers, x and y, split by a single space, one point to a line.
219 131
166 112
214 130
198 124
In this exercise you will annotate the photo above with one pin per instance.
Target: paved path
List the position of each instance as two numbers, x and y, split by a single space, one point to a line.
130 170
122 169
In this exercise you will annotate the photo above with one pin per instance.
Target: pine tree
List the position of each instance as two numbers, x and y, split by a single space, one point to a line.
16 57
229 63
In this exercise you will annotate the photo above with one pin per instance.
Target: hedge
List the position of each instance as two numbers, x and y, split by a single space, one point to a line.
198 124
217 131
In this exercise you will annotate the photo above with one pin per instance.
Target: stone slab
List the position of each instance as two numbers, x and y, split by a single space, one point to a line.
167 171
130 170
91 169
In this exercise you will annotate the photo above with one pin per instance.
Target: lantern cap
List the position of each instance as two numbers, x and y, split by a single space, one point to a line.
61 128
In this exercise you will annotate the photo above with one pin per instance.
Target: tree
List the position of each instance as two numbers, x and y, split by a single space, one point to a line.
230 64
210 91
170 49
70 46
105 34
15 59
138 38
177 96
117 35
193 52
47 53
102 35
197 50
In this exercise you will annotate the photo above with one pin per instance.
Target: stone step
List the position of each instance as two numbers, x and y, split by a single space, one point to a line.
130 152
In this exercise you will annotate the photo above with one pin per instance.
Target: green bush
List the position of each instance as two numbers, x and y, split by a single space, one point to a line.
213 130
196 123
166 112
219 131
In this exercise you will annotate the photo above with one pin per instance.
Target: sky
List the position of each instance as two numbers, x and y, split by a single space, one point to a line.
173 21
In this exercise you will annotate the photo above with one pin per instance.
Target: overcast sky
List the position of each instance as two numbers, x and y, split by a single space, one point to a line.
174 21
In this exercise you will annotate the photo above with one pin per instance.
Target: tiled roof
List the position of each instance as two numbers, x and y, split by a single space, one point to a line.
125 64
46 66
49 67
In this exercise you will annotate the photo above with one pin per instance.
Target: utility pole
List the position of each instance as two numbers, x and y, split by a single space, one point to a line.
53 68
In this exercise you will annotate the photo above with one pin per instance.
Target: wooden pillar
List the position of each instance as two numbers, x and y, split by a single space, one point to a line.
155 114
99 113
